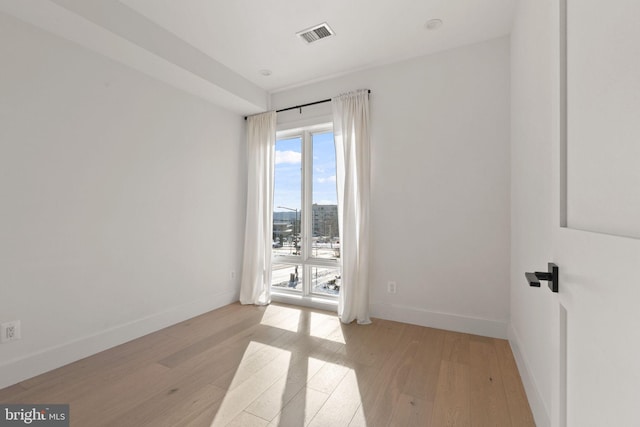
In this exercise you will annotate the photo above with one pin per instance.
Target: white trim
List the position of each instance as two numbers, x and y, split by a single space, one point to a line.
540 413
308 301
447 321
310 123
16 370
305 260
315 126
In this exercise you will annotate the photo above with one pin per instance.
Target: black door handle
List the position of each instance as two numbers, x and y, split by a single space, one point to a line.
551 276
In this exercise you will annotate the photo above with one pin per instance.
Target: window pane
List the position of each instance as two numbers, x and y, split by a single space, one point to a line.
325 281
325 234
287 197
286 276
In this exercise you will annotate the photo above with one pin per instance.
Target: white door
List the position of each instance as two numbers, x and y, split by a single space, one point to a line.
596 241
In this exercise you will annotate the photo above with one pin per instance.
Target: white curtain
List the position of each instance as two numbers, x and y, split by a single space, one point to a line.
256 267
351 131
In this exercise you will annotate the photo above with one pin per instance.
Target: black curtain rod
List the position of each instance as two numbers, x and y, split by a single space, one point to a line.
304 105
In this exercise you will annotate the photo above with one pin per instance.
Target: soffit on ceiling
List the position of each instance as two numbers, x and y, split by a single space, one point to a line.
248 36
215 49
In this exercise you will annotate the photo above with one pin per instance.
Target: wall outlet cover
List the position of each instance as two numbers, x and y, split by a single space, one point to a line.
10 331
391 287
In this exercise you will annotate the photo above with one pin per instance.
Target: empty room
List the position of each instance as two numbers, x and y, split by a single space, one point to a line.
349 213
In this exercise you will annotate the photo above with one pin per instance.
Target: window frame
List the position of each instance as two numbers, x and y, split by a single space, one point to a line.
306 260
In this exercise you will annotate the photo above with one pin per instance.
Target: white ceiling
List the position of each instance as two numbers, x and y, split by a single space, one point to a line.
250 35
215 49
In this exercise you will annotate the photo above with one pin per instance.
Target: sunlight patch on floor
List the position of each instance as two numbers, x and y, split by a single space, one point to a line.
302 408
343 405
272 385
278 396
274 316
252 378
327 327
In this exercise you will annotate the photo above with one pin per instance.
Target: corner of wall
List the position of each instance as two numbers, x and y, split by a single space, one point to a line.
446 321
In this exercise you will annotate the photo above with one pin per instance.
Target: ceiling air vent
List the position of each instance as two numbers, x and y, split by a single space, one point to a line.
316 33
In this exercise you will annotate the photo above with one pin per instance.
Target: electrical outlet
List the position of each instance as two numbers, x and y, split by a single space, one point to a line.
10 331
233 274
391 287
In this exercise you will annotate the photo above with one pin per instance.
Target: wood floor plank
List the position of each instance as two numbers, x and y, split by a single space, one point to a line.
488 402
107 401
203 418
328 377
205 324
456 347
423 380
168 408
243 394
108 365
218 339
276 397
375 342
519 409
283 365
411 411
359 419
297 345
301 409
10 392
341 405
451 407
246 419
380 396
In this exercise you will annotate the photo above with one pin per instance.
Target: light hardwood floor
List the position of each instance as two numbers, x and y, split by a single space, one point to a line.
288 366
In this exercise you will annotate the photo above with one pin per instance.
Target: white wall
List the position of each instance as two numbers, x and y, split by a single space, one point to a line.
440 184
532 309
120 202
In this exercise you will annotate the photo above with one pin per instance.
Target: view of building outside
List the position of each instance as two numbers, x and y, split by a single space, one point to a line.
325 239
326 243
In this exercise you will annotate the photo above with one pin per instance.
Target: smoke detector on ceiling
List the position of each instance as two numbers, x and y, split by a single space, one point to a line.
316 33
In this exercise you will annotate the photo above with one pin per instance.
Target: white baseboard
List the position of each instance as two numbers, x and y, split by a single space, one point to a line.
312 302
42 361
432 319
540 413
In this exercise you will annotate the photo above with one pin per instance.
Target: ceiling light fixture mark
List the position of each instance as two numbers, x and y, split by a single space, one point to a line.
433 24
